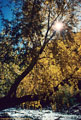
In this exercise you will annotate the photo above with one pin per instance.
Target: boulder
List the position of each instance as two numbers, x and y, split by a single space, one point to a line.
76 109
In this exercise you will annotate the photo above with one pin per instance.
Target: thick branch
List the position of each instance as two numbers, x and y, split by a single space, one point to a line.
32 64
6 102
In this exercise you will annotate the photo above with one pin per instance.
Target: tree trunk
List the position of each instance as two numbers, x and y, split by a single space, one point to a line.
8 102
11 100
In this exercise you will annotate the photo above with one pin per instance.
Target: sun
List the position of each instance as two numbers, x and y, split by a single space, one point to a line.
58 26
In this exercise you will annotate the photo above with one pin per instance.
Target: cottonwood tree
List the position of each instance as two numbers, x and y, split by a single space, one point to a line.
25 37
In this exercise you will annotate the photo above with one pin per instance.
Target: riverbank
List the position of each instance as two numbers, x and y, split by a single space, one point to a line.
41 114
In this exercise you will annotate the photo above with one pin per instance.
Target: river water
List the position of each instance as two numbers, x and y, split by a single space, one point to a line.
19 114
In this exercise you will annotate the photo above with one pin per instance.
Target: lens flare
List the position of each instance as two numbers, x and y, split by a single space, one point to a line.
58 26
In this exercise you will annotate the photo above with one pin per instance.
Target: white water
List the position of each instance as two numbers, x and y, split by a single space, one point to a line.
17 114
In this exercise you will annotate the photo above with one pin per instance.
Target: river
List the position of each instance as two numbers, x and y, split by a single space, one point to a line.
18 114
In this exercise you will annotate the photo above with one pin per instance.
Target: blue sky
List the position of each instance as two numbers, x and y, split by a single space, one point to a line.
8 13
6 10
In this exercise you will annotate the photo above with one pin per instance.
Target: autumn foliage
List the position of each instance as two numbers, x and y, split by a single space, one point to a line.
39 66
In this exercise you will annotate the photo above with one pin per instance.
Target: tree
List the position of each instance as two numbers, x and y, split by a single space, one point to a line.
55 74
24 39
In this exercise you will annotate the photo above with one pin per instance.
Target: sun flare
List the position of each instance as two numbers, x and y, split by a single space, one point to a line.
58 26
